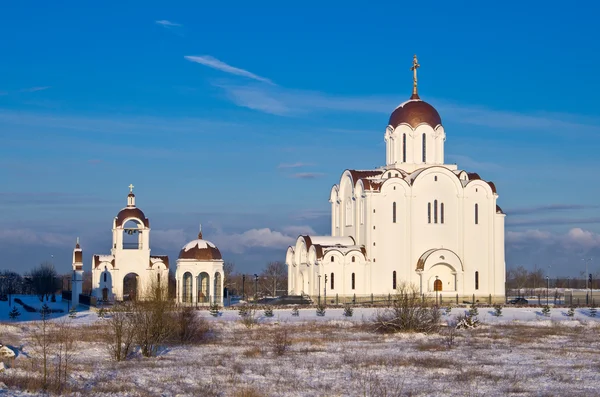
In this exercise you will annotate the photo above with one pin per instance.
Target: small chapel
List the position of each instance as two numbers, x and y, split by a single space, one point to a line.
129 271
415 221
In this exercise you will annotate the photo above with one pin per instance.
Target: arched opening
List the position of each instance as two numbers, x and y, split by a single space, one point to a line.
476 280
186 294
203 288
424 148
218 287
394 212
353 259
394 285
105 294
131 287
437 285
353 281
132 234
404 147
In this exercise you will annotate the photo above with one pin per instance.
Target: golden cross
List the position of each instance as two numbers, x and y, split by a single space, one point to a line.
131 188
414 68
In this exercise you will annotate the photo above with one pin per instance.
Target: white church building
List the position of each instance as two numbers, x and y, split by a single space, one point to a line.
129 270
416 220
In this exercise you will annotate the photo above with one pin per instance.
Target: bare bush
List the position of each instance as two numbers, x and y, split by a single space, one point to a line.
248 317
121 330
409 313
152 318
190 328
281 342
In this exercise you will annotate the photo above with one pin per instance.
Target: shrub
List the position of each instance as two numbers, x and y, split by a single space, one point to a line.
348 311
409 313
249 317
546 310
243 310
593 310
281 342
571 311
14 313
497 310
473 311
73 312
320 310
268 312
214 309
189 327
466 322
295 311
448 310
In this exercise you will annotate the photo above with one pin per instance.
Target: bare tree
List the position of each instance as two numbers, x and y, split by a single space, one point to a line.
153 320
42 342
274 277
122 329
44 280
228 269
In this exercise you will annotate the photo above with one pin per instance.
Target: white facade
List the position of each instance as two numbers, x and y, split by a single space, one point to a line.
415 220
77 276
199 275
128 258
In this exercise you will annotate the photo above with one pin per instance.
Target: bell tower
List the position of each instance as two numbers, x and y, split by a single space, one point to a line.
77 276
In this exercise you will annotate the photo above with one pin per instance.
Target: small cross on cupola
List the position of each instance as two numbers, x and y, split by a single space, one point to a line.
131 196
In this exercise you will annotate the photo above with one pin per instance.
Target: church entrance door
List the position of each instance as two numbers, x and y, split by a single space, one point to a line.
105 294
130 287
437 285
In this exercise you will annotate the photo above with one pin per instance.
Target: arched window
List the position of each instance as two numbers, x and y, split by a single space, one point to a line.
476 280
442 213
394 212
428 212
353 259
435 207
394 280
404 147
424 148
158 279
331 280
353 281
104 276
332 258
477 214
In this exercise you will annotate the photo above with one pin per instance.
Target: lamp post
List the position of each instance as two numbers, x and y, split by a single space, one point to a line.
255 288
319 289
435 287
547 288
325 291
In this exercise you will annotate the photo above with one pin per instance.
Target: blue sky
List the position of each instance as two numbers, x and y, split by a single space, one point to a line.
242 115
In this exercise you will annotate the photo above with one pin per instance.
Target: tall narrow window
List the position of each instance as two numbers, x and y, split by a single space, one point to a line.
476 280
424 148
105 277
332 258
477 214
428 212
394 212
331 280
404 148
353 281
442 213
353 259
435 209
394 280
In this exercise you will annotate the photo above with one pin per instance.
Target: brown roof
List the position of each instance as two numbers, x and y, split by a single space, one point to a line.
163 258
201 254
499 210
371 184
415 112
493 186
360 174
97 261
131 212
473 176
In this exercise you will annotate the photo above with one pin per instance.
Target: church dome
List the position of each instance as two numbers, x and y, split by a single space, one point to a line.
414 112
129 213
201 250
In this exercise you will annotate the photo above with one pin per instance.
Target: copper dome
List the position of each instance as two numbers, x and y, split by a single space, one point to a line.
415 112
131 212
200 250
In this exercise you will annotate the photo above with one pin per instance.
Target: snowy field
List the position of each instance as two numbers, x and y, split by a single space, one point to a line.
521 353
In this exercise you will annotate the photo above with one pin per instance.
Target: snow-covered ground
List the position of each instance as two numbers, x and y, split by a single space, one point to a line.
521 353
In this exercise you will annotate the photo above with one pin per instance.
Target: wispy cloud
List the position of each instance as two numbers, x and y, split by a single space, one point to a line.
549 208
511 221
167 24
574 238
291 102
294 165
35 89
30 237
253 238
307 175
214 63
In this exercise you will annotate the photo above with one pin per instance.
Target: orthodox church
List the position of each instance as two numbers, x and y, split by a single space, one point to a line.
416 220
129 270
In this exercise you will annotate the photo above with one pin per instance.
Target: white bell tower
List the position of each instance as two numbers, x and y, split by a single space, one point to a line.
77 277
